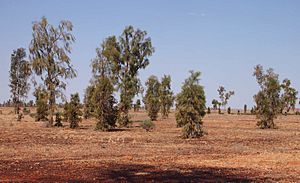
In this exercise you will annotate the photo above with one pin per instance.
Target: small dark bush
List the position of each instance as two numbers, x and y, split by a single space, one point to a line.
147 125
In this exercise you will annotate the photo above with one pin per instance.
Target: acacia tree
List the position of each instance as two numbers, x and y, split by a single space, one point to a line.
102 94
49 49
268 101
289 96
19 74
190 107
166 97
152 97
224 97
128 54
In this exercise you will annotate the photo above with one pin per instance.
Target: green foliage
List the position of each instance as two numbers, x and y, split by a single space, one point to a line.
289 96
41 104
49 49
26 111
166 96
268 102
137 105
215 104
73 111
224 97
104 102
152 96
127 55
19 74
190 107
58 120
88 102
147 125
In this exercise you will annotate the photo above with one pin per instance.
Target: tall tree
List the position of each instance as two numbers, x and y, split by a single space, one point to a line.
289 96
49 54
224 97
190 107
128 54
19 75
268 101
166 96
88 103
152 97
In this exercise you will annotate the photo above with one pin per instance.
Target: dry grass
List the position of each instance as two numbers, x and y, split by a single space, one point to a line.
234 150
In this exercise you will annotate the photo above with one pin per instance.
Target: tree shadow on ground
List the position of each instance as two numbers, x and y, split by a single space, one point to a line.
146 173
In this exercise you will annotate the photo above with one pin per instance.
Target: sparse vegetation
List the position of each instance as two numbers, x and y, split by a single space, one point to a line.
224 97
147 125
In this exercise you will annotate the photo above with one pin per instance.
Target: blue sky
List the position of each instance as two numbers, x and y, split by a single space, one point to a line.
222 39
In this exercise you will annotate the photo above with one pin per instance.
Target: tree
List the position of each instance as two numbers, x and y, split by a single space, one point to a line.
166 97
41 96
104 102
128 54
102 97
19 75
190 107
268 101
245 109
289 96
137 105
49 49
152 97
88 102
215 104
224 97
73 111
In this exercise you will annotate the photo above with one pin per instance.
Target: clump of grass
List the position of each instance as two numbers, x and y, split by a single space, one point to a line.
147 125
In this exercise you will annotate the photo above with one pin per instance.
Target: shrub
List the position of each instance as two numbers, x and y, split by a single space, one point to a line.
229 110
58 119
26 111
190 107
208 110
245 109
147 125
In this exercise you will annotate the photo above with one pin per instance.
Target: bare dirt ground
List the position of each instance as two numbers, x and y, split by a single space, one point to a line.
234 150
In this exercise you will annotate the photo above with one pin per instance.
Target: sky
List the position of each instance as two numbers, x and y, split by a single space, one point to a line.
222 39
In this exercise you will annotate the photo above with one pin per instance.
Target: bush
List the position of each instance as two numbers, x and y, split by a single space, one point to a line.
26 111
147 125
229 110
190 107
58 120
41 104
208 110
